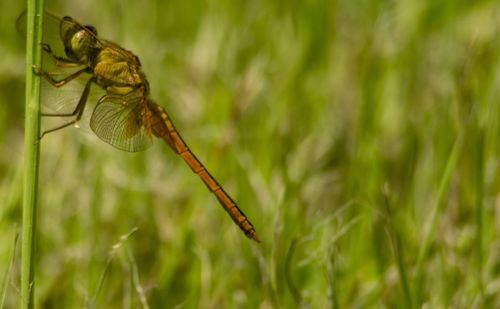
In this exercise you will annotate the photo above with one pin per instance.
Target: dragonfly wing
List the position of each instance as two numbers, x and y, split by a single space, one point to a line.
64 100
51 24
123 122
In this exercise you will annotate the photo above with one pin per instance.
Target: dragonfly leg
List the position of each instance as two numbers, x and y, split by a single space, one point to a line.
58 83
59 61
78 112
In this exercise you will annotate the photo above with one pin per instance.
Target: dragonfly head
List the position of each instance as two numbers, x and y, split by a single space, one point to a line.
78 40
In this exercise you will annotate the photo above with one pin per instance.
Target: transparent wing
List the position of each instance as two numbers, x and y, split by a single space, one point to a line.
64 101
123 122
51 24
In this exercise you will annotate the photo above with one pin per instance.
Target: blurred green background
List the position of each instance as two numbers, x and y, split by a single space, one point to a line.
360 137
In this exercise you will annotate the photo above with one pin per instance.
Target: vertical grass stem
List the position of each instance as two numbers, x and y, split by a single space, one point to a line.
31 150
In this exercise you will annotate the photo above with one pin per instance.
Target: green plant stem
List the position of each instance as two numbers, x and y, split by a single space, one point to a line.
396 242
435 212
479 168
31 150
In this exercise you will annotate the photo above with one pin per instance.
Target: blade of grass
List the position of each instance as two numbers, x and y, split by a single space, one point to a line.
6 279
31 149
91 303
135 277
479 168
288 273
332 277
434 215
396 243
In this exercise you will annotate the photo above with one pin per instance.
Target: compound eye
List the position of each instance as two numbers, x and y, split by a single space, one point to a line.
91 29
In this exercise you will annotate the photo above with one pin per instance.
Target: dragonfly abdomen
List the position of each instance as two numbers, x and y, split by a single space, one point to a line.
163 128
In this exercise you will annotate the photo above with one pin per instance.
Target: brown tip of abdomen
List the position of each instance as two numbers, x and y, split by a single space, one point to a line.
253 236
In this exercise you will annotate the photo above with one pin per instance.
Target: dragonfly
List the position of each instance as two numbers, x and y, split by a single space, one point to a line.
125 116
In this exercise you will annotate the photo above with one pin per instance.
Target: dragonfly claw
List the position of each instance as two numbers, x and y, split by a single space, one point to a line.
39 71
46 48
36 69
37 141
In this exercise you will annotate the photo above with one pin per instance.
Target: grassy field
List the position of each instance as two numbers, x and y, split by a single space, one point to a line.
362 139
